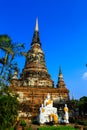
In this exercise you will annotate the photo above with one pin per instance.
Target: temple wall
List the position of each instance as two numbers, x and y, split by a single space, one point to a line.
32 98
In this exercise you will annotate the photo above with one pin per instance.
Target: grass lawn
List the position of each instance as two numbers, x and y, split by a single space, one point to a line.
57 128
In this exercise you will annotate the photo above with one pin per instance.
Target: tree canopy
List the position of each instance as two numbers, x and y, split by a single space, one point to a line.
7 63
8 111
8 101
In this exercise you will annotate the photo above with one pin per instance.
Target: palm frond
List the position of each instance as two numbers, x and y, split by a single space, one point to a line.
24 54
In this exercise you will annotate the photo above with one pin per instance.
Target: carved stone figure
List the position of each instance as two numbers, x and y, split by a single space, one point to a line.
48 113
66 116
48 102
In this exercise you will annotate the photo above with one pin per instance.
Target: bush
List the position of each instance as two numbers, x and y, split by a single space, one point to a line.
8 111
23 123
80 122
72 120
11 128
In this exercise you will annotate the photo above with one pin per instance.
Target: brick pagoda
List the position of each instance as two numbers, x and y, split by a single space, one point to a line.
35 82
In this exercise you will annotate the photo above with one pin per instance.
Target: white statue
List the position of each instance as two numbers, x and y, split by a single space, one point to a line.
48 113
66 116
48 102
41 116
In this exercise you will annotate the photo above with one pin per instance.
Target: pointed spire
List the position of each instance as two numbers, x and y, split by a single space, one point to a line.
60 83
60 71
60 74
36 27
36 39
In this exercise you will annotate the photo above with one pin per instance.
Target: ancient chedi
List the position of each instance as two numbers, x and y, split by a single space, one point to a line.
35 72
35 82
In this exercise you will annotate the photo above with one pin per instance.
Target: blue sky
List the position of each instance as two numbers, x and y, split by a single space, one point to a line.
63 34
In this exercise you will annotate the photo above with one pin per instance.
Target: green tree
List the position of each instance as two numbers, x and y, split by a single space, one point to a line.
8 102
83 105
7 63
8 111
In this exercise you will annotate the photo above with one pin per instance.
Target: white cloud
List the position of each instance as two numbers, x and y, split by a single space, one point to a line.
84 76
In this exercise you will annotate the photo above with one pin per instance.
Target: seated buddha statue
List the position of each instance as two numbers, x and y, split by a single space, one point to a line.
48 113
48 102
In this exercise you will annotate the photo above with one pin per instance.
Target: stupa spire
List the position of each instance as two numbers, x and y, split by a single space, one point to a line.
36 39
60 77
60 83
60 71
35 73
36 27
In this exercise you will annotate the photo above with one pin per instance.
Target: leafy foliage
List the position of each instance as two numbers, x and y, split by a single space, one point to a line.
7 63
79 106
8 102
23 123
8 110
83 105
